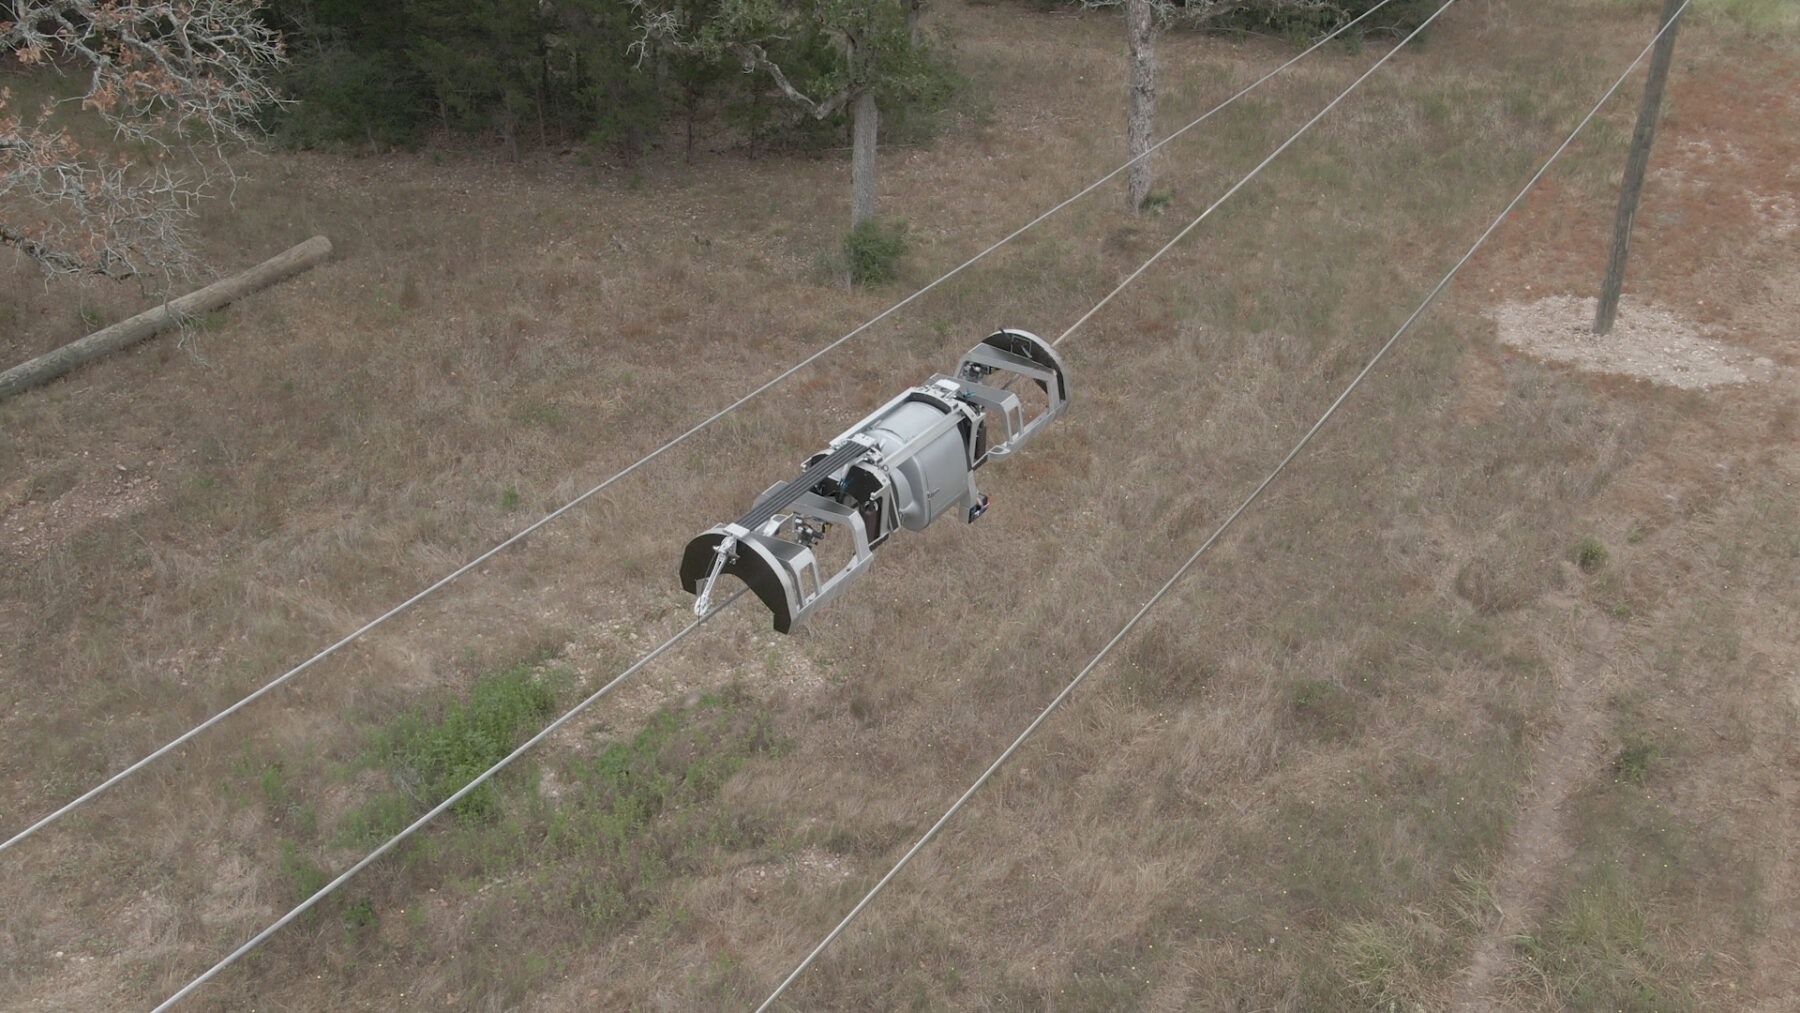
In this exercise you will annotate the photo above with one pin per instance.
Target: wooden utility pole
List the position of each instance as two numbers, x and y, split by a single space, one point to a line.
51 365
1639 160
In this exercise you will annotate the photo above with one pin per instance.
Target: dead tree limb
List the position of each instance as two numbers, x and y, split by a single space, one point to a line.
51 365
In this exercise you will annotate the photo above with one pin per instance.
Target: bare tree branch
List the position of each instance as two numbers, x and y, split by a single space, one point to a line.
756 58
668 27
173 77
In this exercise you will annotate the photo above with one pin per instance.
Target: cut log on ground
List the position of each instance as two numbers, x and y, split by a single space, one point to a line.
51 365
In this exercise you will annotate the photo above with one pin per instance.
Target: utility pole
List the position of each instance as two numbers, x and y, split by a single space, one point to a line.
1635 164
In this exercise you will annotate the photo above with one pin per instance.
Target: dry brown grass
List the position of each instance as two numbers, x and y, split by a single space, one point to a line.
1294 789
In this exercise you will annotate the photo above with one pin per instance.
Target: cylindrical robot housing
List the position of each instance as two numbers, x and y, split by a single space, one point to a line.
927 456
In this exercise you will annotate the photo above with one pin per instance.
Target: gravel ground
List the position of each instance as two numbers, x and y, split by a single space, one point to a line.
1646 342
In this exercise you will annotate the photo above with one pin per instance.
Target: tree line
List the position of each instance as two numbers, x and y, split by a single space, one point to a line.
194 78
612 76
618 76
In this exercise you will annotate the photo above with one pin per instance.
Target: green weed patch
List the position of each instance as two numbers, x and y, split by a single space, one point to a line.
636 813
429 757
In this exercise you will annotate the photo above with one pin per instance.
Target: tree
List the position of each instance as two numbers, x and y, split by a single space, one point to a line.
485 61
543 72
822 56
182 78
1142 18
1145 21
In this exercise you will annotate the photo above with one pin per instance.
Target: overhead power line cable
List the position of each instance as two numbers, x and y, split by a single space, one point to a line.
1252 174
281 680
1069 690
299 909
1299 446
393 842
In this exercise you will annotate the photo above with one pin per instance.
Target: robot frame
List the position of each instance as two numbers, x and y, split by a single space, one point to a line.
904 465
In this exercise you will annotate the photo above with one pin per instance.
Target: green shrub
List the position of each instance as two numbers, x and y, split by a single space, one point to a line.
1590 555
872 251
1157 201
1635 757
360 915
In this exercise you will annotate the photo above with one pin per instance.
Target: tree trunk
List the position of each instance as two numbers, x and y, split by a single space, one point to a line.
543 89
51 365
862 159
691 102
1140 108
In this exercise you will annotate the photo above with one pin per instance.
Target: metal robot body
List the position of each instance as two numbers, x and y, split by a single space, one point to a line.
903 466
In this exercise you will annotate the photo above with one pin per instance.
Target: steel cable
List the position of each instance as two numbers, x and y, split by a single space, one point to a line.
1252 174
281 680
1044 715
392 842
1214 537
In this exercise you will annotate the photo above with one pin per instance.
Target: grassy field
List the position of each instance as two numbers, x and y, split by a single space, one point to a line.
1491 703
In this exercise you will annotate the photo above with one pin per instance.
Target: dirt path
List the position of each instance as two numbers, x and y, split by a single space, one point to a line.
1540 844
1774 964
1714 306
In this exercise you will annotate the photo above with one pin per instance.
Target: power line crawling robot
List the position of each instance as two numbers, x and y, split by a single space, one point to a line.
903 466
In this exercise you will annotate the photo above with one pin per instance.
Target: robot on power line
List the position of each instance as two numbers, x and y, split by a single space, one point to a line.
903 466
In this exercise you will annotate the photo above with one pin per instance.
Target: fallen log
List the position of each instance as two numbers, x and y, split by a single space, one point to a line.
51 365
